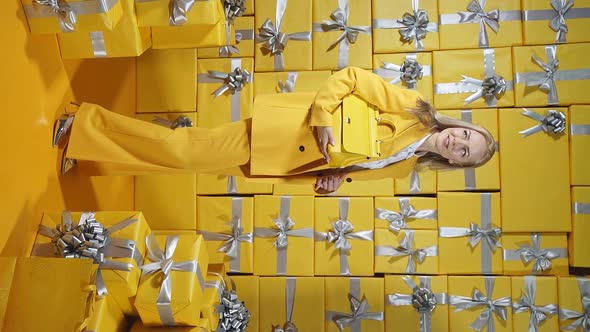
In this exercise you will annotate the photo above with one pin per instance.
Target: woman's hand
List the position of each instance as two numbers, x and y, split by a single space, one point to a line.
329 183
324 136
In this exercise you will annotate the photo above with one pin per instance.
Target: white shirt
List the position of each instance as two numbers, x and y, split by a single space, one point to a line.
406 153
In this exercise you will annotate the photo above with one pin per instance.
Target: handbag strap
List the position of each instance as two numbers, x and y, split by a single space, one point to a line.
389 123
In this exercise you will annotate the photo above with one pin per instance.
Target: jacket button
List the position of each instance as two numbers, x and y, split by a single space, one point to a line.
301 148
368 157
348 180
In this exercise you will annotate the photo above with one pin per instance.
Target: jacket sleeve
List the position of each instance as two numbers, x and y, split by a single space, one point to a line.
364 84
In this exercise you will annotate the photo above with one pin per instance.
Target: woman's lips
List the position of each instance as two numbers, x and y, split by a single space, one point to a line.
446 143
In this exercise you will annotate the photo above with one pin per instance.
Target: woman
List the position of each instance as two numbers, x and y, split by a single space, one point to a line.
285 140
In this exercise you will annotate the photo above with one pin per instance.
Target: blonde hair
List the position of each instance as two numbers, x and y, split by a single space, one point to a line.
437 122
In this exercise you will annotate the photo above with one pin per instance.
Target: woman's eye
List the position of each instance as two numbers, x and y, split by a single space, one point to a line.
464 133
464 152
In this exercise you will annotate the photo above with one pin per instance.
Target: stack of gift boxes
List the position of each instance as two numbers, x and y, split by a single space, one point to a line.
490 248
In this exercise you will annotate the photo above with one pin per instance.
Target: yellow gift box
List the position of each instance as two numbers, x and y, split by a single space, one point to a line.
538 294
460 251
486 177
120 283
186 258
569 75
332 47
247 288
351 221
535 253
107 316
291 18
409 251
538 17
158 13
400 313
283 235
579 145
417 183
211 184
578 245
7 265
88 15
293 81
463 289
387 26
381 187
138 326
215 283
218 219
398 213
525 188
573 296
217 106
390 67
126 39
342 294
477 23
461 86
291 301
244 42
193 36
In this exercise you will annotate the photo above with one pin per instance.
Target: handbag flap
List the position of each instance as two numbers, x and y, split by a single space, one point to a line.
359 127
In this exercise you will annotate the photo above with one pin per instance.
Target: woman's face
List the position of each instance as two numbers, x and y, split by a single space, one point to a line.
461 146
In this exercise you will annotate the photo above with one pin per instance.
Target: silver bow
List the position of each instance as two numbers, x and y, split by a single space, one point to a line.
178 11
546 81
491 236
65 13
490 88
553 123
415 27
527 303
232 240
476 14
399 220
532 252
274 40
405 248
582 319
359 311
339 234
340 22
282 231
226 50
180 122
234 8
558 23
234 316
233 81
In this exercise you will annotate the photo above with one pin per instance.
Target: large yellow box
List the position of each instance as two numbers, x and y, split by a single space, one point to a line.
535 253
540 292
248 290
107 316
7 265
211 184
381 187
389 67
192 36
525 188
486 177
290 253
412 252
538 16
580 145
579 247
158 13
417 183
398 213
244 41
292 81
572 291
458 214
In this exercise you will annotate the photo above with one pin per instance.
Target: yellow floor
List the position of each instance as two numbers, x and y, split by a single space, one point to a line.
34 83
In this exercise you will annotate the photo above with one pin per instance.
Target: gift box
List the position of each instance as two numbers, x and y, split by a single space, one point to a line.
408 251
73 15
574 293
381 187
482 79
118 235
283 39
227 225
535 253
126 39
193 36
247 288
173 279
408 26
469 233
293 81
163 13
410 70
354 304
551 75
283 235
549 22
469 308
430 312
244 41
486 177
7 265
579 145
211 184
535 303
397 213
107 316
344 236
479 23
292 302
138 326
336 48
417 183
215 285
577 241
219 101
525 189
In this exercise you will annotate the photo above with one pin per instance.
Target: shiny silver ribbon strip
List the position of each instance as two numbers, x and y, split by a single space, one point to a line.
181 121
274 41
468 172
529 252
178 11
228 49
341 231
289 326
231 245
580 129
582 319
527 303
407 213
490 306
339 21
581 208
405 248
99 49
409 72
557 16
359 310
234 316
423 299
232 185
66 12
415 182
476 14
289 85
163 263
553 123
233 9
475 234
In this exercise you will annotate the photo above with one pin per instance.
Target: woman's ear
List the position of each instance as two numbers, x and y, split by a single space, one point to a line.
451 162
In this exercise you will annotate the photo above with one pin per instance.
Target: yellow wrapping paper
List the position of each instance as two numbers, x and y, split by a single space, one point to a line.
381 187
424 218
579 247
545 298
217 215
138 326
454 35
244 28
571 80
307 294
294 81
214 111
486 177
476 64
192 36
579 145
212 294
424 84
121 285
358 54
422 239
456 256
525 189
7 265
126 39
107 316
157 13
90 15
186 287
247 289
537 16
464 286
417 183
338 291
328 258
405 317
297 257
210 184
571 292
513 263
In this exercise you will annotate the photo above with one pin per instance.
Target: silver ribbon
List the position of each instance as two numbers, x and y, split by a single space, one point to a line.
227 50
232 185
178 11
234 316
582 319
64 12
409 72
405 248
289 326
468 172
531 252
415 182
479 299
581 208
557 16
233 9
289 85
553 123
527 303
399 220
359 310
580 129
180 122
99 49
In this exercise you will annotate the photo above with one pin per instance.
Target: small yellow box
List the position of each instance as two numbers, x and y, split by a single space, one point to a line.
138 326
389 67
107 316
398 213
539 15
412 252
7 265
540 292
381 187
192 36
292 81
211 184
216 282
579 247
572 292
158 13
417 183
580 145
248 290
535 253
244 41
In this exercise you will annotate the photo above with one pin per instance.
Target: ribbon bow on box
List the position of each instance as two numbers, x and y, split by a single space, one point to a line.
359 310
233 9
531 252
558 23
398 220
234 316
63 11
553 123
233 81
178 11
406 249
475 14
582 319
527 303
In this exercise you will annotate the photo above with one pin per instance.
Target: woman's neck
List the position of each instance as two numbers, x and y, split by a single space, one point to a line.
429 145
